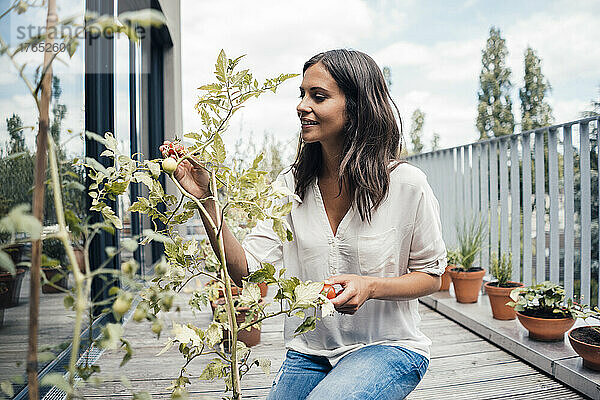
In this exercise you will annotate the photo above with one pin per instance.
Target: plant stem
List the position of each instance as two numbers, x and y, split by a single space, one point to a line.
80 298
41 160
235 378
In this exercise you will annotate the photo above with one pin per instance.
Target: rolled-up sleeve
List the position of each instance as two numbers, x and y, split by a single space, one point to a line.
427 249
262 245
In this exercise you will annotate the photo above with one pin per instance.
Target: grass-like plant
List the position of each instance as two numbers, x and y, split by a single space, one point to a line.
501 269
470 242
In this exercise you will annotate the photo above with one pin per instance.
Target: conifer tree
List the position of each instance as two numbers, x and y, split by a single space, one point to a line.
535 111
494 112
416 131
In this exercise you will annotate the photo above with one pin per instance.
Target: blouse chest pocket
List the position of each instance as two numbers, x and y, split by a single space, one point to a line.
378 253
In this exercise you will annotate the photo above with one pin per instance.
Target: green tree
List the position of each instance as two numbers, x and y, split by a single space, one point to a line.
14 126
494 112
416 131
435 142
535 111
594 109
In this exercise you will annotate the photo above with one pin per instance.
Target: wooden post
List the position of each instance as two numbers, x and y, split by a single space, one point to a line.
41 161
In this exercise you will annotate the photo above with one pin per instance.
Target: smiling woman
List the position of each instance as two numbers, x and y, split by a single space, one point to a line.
367 222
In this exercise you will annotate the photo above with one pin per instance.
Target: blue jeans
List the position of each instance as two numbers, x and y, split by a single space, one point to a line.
373 372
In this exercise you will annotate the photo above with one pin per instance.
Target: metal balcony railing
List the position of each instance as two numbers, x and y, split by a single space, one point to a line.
538 192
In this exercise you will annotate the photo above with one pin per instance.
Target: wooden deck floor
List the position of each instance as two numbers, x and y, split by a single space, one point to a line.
463 366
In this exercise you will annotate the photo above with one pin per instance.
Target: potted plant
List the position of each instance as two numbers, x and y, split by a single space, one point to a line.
499 291
13 285
244 314
3 292
467 278
585 340
544 312
453 260
53 258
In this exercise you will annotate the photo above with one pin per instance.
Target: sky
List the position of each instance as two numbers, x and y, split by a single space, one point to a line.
432 47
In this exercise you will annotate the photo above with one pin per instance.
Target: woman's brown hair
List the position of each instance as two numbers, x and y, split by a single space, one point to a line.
372 138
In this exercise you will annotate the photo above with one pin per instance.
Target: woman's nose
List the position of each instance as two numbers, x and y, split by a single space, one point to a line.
303 107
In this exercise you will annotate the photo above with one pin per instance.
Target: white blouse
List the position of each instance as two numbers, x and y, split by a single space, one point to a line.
404 235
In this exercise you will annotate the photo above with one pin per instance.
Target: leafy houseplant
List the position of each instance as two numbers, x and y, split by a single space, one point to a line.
543 310
248 194
499 291
466 278
453 260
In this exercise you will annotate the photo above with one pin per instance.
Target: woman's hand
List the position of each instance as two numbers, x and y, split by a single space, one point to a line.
193 178
357 290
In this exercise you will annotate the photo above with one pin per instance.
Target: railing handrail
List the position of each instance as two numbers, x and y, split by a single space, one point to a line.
507 137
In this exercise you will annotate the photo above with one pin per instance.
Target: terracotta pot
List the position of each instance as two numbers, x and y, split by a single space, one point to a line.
50 273
249 338
264 289
80 257
498 297
467 285
589 352
546 329
13 284
446 279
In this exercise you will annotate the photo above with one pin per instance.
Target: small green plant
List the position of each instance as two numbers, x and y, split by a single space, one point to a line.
470 242
547 300
453 257
501 269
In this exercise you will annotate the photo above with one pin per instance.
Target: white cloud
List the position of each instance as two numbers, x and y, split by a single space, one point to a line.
278 38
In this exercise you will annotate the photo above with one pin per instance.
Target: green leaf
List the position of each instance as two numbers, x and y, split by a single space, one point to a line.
19 220
250 294
214 334
55 379
142 396
111 336
219 149
157 237
144 178
154 168
264 364
6 263
308 293
68 301
215 369
308 324
220 66
45 356
130 244
7 388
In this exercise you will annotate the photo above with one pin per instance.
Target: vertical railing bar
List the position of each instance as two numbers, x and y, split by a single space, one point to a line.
554 203
515 210
449 227
493 222
598 194
484 188
467 180
586 217
569 211
503 197
475 155
540 208
527 250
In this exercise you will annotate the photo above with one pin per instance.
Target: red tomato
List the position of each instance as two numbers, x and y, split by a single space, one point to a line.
328 291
